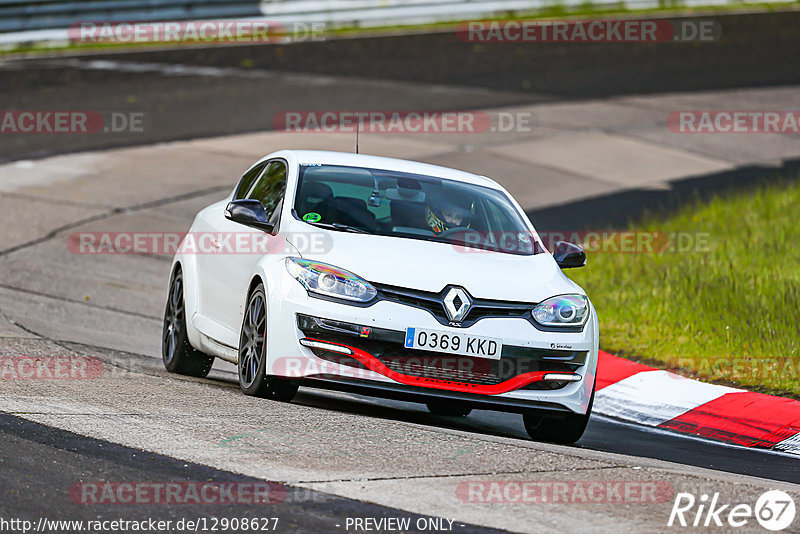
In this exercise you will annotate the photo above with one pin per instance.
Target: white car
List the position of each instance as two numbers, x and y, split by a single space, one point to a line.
389 278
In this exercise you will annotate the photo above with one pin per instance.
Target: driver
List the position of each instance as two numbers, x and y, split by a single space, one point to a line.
446 212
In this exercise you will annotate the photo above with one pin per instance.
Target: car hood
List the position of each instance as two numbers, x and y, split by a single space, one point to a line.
429 266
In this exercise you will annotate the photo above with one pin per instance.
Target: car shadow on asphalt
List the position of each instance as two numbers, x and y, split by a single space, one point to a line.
618 210
403 411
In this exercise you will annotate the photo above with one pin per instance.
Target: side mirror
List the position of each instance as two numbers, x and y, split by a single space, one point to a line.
249 213
569 255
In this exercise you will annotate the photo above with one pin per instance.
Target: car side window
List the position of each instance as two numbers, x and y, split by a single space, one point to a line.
247 181
270 188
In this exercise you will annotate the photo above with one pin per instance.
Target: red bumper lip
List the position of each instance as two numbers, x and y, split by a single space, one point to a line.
374 364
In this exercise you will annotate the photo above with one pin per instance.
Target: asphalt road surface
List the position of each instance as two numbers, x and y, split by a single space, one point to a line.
105 311
43 486
334 456
219 90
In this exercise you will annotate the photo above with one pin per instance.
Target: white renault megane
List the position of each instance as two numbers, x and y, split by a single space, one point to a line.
388 278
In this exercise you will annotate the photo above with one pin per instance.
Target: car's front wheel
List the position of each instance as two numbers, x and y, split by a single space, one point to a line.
565 430
177 353
253 378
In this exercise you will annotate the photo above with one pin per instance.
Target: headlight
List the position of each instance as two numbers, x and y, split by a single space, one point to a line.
324 279
564 310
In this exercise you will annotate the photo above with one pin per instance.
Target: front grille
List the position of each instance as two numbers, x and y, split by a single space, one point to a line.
433 303
387 346
414 366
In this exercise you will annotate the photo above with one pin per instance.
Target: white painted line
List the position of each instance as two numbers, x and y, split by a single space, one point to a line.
790 445
654 397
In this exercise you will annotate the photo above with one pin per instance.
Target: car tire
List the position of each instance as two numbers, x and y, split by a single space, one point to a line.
253 378
177 353
565 430
448 408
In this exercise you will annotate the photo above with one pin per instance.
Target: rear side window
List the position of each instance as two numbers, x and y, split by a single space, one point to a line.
247 181
269 190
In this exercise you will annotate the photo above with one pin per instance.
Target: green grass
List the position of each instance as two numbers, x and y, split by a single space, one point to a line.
728 313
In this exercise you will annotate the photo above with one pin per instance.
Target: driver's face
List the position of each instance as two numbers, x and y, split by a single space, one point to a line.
452 216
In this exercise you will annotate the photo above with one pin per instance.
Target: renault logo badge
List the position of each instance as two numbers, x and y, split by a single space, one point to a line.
457 304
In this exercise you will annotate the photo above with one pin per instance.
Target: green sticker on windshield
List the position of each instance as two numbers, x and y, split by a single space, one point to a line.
312 217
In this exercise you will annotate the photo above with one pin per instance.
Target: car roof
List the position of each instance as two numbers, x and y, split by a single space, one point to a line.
392 164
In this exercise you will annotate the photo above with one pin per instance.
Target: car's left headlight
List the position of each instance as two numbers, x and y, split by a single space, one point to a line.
325 279
563 310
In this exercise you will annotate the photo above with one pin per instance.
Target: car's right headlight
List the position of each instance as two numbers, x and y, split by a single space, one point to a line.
563 310
324 279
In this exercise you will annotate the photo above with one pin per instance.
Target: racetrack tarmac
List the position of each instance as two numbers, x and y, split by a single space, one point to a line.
190 92
350 456
61 470
392 454
107 308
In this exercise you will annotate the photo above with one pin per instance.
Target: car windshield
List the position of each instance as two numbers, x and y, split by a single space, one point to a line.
413 206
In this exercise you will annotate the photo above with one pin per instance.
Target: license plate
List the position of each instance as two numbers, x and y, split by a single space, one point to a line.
450 343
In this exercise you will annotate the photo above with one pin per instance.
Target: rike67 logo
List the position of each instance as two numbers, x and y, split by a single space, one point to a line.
774 510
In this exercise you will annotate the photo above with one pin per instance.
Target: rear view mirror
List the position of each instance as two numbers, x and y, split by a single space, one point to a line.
569 255
249 213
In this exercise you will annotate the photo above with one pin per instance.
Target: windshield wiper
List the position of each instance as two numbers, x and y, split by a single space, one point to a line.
340 227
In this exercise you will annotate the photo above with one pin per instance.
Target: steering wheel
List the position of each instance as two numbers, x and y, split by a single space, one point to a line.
453 231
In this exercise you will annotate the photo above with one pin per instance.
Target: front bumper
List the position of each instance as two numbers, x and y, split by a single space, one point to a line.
383 351
379 361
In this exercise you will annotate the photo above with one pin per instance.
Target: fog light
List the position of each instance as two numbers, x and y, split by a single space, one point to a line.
563 377
325 346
